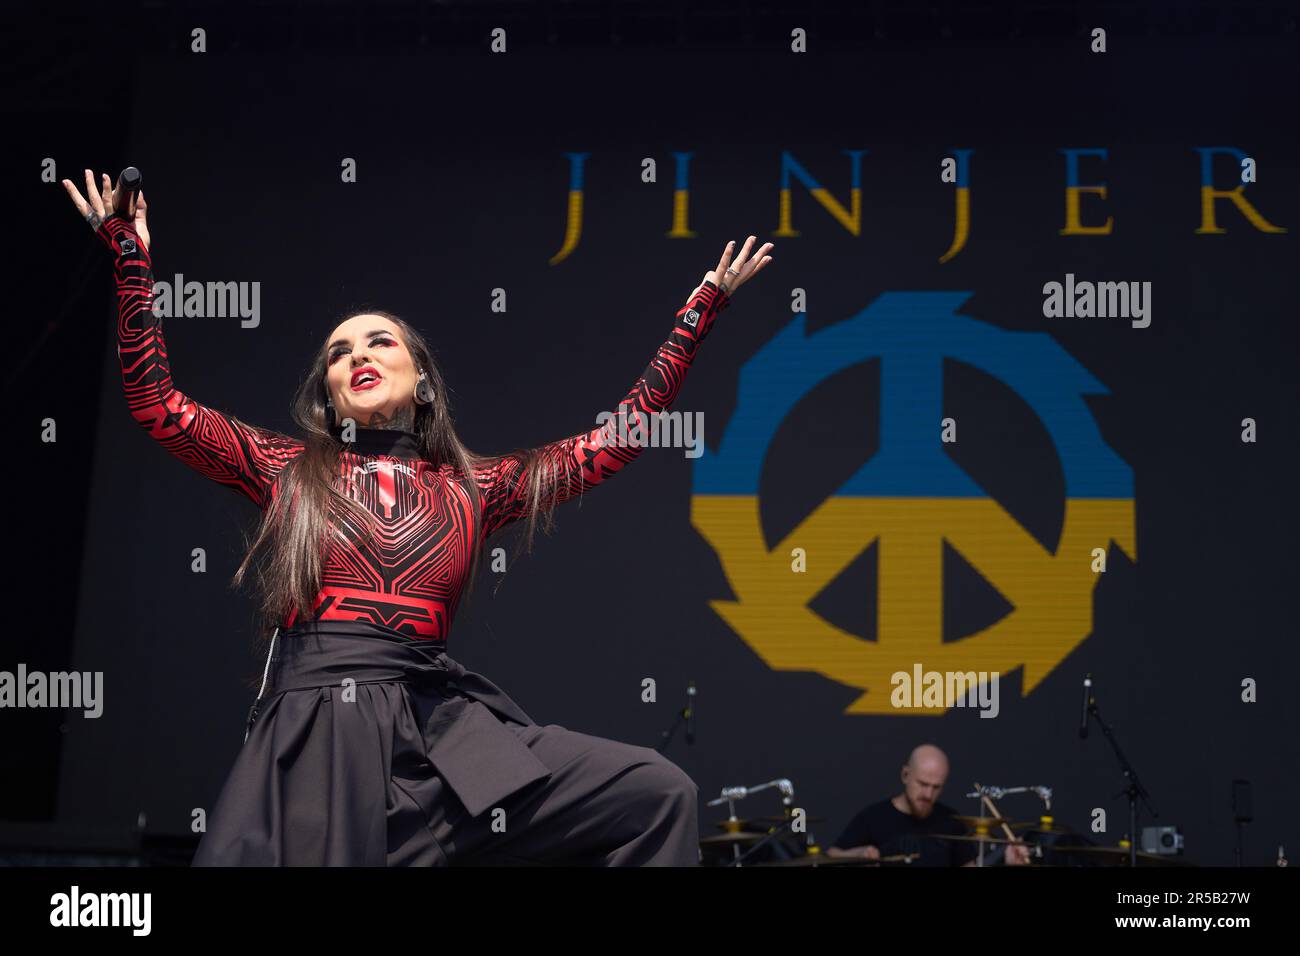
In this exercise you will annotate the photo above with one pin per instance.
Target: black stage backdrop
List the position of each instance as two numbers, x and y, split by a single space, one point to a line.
827 537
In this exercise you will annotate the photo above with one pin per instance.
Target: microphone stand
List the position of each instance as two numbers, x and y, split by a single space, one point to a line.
731 794
1134 788
740 860
666 737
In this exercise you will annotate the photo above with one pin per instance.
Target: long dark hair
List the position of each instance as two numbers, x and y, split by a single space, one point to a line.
289 547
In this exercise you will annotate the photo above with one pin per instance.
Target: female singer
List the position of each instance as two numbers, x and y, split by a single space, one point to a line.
367 744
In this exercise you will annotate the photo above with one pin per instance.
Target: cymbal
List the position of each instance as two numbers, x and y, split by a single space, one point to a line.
970 838
740 823
1040 827
784 819
820 859
726 839
989 822
1113 851
736 825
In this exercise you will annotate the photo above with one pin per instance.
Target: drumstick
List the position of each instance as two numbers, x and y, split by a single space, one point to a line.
898 858
994 810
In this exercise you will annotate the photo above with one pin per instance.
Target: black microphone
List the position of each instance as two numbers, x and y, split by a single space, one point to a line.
690 712
1087 699
128 188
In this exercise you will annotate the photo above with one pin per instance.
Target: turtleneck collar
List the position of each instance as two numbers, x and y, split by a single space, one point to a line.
381 441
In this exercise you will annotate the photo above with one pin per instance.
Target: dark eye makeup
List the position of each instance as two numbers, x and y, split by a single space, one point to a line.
377 340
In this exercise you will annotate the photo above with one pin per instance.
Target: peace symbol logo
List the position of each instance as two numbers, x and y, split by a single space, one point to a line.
907 500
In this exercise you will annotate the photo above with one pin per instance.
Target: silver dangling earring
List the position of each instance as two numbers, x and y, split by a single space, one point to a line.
423 390
331 420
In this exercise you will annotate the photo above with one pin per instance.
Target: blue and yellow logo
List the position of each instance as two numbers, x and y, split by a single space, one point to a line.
909 499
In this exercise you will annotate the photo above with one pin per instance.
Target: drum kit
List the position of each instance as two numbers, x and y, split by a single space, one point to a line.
786 839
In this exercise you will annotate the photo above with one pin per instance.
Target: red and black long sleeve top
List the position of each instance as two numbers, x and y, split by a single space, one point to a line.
407 575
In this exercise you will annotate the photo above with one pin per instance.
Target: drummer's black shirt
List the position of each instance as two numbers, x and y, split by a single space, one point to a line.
883 826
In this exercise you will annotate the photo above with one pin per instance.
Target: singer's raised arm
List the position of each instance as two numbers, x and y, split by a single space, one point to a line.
216 445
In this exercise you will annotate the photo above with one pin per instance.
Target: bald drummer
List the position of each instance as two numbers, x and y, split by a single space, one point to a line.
908 821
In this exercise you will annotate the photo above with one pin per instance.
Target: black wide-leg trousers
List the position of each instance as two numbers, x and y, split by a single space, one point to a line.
368 751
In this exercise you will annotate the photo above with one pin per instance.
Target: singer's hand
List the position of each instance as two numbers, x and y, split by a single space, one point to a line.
741 271
107 201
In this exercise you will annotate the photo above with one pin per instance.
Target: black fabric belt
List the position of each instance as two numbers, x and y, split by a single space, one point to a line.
325 653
